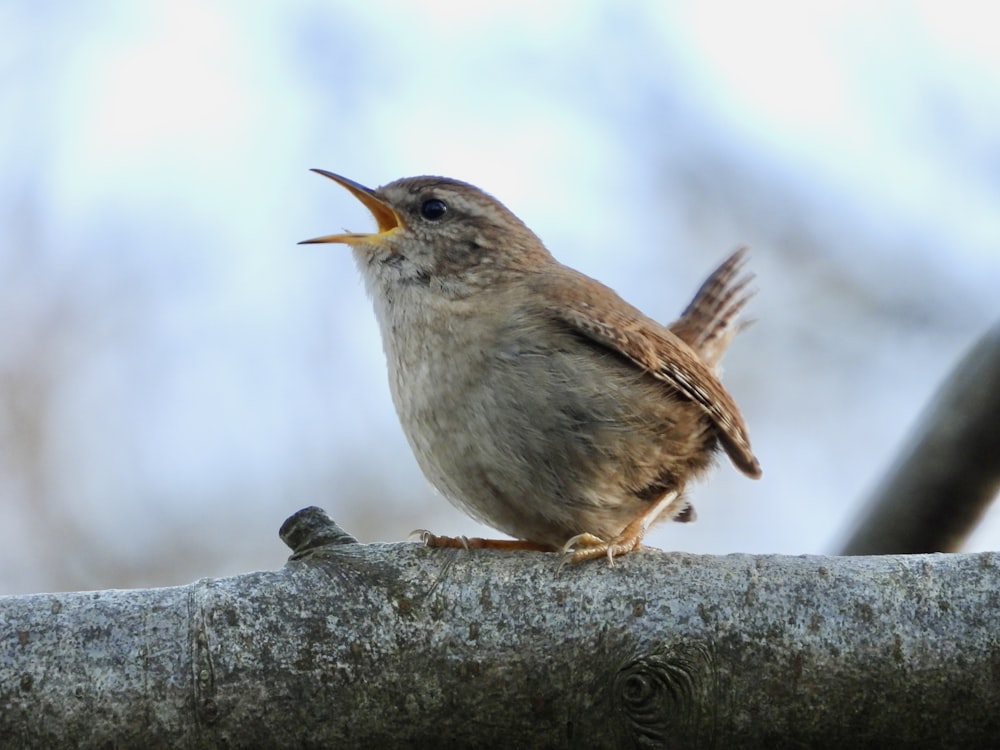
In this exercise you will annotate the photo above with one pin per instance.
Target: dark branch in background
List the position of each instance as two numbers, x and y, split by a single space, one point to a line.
948 473
399 645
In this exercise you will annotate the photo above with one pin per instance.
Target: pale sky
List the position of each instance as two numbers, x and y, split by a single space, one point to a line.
162 149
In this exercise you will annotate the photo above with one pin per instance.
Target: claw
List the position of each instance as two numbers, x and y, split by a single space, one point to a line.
586 539
431 539
589 547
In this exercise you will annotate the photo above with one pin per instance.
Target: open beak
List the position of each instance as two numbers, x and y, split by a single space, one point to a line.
384 214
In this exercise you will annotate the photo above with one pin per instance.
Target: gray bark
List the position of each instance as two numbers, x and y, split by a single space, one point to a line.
355 645
948 473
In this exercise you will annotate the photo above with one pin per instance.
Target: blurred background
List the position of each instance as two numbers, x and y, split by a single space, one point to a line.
177 376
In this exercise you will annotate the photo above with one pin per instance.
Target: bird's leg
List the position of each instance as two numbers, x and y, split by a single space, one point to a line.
587 546
433 540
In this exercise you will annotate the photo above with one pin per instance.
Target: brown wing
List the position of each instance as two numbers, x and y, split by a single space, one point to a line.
597 312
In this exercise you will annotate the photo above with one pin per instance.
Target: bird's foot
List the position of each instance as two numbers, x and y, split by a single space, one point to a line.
586 546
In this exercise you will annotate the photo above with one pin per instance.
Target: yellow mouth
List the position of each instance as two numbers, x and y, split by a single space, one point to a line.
384 214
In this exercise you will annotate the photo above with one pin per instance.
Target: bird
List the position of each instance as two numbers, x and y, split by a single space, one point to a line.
534 397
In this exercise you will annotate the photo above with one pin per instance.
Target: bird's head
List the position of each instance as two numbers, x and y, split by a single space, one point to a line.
439 230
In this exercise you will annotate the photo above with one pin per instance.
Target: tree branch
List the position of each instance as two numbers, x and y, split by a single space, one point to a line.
390 645
949 471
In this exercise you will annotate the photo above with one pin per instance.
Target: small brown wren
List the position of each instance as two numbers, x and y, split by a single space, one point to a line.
534 397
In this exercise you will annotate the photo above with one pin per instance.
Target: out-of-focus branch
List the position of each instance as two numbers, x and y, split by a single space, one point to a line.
949 471
405 646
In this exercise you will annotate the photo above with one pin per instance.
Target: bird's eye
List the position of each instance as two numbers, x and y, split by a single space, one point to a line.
433 209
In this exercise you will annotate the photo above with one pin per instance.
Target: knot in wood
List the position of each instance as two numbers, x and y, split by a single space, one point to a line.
664 696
